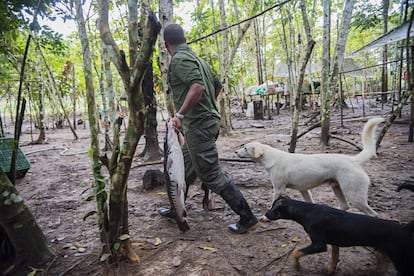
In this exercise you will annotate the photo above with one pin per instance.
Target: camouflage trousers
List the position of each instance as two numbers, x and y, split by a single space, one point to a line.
201 157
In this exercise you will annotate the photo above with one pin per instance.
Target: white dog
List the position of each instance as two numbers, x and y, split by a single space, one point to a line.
303 172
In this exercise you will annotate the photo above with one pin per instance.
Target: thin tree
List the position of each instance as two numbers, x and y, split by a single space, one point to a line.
310 43
99 182
228 54
384 70
166 17
132 74
325 92
41 106
55 89
330 87
151 151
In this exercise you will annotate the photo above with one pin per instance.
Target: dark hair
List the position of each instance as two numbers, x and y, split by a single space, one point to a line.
174 34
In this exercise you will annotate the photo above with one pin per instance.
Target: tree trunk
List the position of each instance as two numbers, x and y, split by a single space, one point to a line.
42 126
104 117
26 245
258 52
132 78
325 93
56 90
227 60
109 86
74 92
99 182
152 150
224 100
330 86
297 92
1 126
166 17
338 57
384 70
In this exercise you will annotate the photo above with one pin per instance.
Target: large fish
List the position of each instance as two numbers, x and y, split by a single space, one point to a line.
174 171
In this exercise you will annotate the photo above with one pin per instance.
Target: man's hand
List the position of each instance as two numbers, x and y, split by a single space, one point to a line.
177 123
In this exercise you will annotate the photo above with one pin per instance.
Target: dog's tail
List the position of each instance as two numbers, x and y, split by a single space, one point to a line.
368 140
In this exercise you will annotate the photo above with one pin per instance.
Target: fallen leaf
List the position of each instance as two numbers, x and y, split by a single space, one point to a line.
296 239
157 241
136 244
80 245
161 193
104 257
283 245
212 249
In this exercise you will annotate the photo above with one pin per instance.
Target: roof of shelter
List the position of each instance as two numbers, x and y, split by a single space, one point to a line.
281 69
393 36
349 67
352 69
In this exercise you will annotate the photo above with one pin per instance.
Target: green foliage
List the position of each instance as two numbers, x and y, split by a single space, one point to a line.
105 257
9 198
52 42
123 237
12 13
366 16
89 214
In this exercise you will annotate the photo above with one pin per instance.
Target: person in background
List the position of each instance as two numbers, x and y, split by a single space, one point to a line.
195 87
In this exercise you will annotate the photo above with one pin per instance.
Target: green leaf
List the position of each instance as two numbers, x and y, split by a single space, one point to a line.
124 237
90 198
84 191
17 199
117 246
88 214
105 257
33 272
17 225
10 268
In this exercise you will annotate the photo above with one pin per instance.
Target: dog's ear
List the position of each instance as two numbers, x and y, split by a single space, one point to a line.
277 203
257 151
281 197
279 200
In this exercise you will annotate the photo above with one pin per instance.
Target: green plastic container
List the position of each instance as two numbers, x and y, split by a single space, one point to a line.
22 164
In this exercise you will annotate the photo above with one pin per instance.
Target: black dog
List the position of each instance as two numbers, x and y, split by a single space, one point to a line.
326 225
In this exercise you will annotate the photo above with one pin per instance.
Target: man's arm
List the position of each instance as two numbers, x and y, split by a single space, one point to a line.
192 98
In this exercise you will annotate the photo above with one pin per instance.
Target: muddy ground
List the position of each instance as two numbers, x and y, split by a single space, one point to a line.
55 190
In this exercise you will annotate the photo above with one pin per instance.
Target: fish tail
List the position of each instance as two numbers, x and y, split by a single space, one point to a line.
183 225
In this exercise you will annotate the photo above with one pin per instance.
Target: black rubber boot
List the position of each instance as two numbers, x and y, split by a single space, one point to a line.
238 204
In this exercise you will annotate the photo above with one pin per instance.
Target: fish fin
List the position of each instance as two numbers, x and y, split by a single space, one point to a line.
180 138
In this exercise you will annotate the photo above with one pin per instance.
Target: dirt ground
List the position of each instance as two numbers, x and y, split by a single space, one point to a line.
56 186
